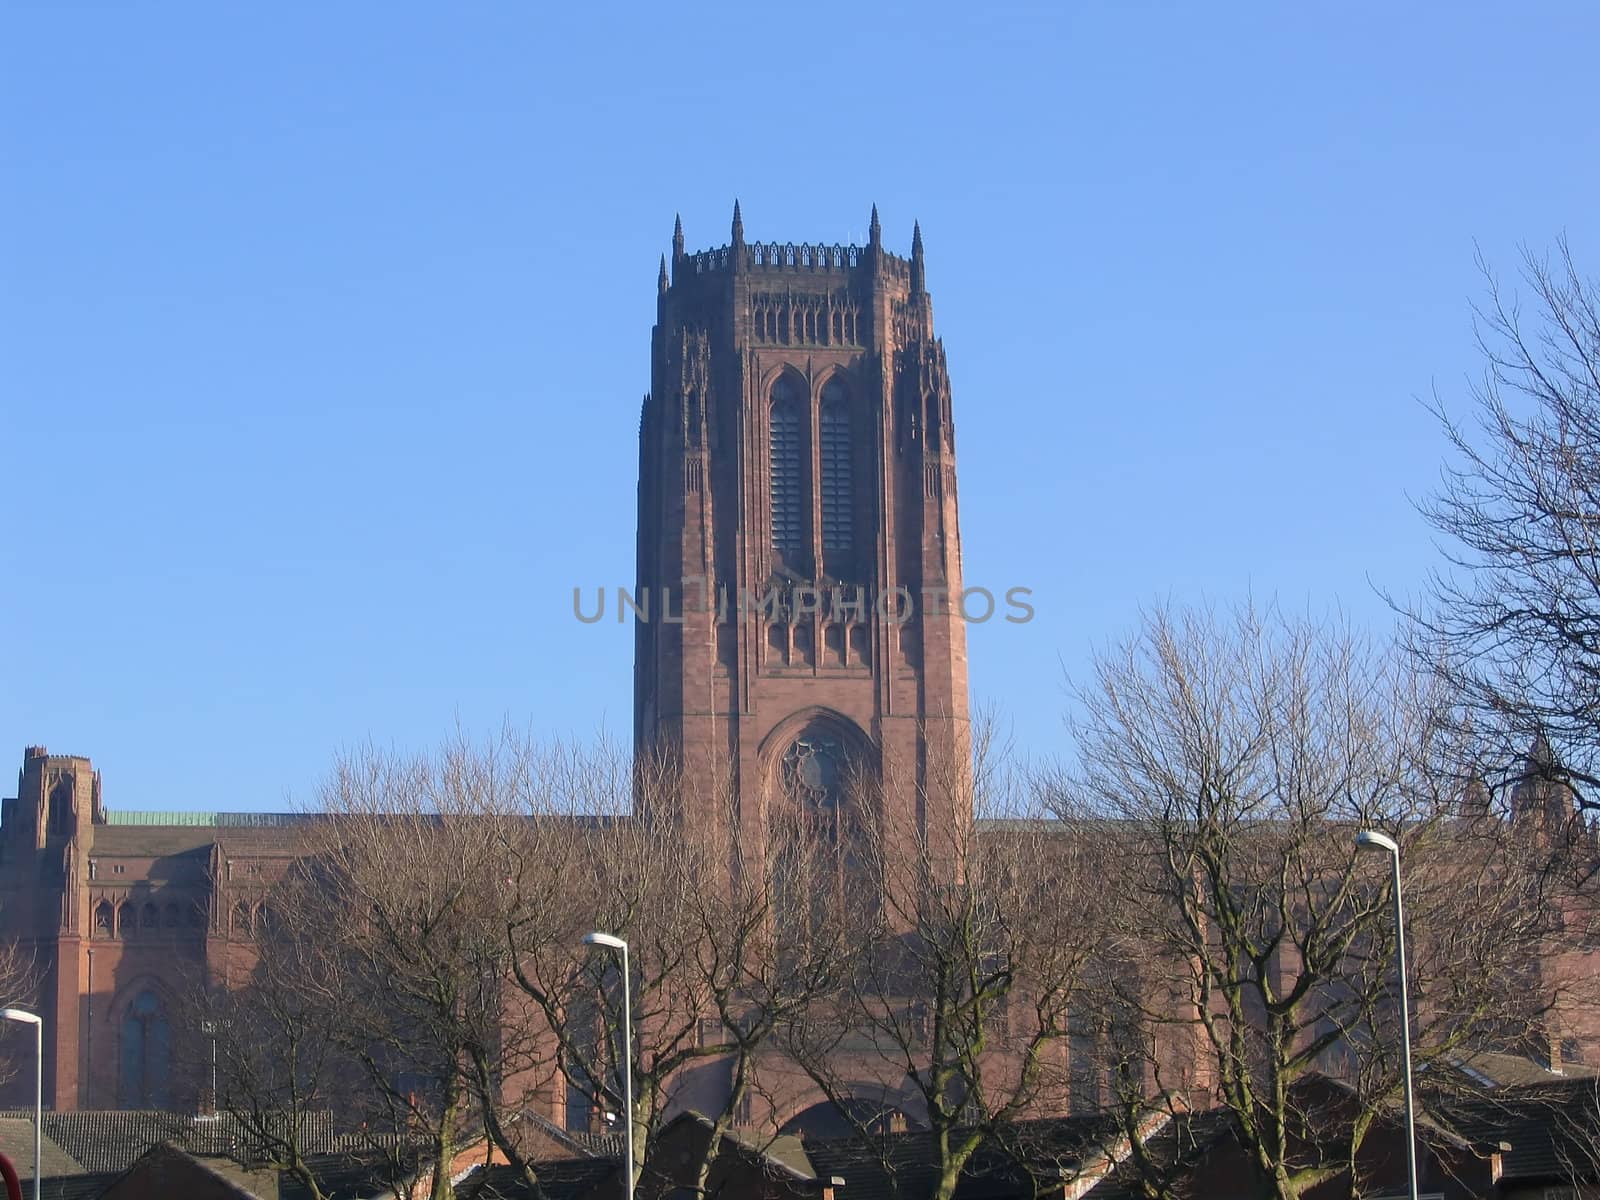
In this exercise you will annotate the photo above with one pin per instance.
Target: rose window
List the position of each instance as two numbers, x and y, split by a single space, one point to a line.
813 771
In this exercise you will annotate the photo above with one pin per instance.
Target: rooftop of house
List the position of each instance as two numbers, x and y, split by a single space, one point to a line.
1497 1069
111 1141
566 1179
904 1164
1172 1149
76 1187
1552 1127
167 1170
16 1143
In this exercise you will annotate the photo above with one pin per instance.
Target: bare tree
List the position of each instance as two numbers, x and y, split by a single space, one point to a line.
381 985
433 950
961 995
413 868
1513 621
273 1035
1232 762
713 980
19 983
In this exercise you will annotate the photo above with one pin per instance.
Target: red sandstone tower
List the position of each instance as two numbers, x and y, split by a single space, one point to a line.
45 863
798 536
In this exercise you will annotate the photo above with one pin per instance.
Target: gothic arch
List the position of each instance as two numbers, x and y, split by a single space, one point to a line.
836 475
788 411
128 990
821 759
773 374
786 730
62 806
836 373
141 1013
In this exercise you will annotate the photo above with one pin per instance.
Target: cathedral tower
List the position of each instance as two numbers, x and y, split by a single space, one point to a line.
45 836
798 543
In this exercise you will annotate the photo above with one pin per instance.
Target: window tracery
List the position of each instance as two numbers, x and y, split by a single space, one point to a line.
785 459
838 498
814 770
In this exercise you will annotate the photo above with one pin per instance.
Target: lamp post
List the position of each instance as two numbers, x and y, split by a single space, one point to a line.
213 1027
610 942
24 1017
1370 839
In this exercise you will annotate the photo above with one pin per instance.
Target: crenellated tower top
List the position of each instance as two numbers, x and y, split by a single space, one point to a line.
801 258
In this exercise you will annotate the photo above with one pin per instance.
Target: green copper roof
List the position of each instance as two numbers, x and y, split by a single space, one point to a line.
227 819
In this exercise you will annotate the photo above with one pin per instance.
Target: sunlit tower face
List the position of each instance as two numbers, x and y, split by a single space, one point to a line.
796 479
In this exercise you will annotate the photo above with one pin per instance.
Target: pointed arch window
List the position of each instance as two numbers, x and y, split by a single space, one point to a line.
822 810
692 415
838 492
60 819
146 1054
785 455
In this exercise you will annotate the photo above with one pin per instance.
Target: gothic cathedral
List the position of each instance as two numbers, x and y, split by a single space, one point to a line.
798 525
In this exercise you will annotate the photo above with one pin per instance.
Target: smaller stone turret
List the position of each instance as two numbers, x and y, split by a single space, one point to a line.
1541 797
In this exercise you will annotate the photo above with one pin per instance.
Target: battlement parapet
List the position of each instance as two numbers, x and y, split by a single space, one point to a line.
792 256
30 753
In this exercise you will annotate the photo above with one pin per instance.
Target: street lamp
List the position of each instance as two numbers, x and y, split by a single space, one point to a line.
24 1017
212 1028
1371 839
611 942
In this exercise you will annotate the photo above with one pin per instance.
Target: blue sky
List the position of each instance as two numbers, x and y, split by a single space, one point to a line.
323 328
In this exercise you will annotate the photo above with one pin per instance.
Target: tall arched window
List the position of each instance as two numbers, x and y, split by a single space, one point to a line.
786 458
145 1055
103 917
817 813
838 493
692 416
60 819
